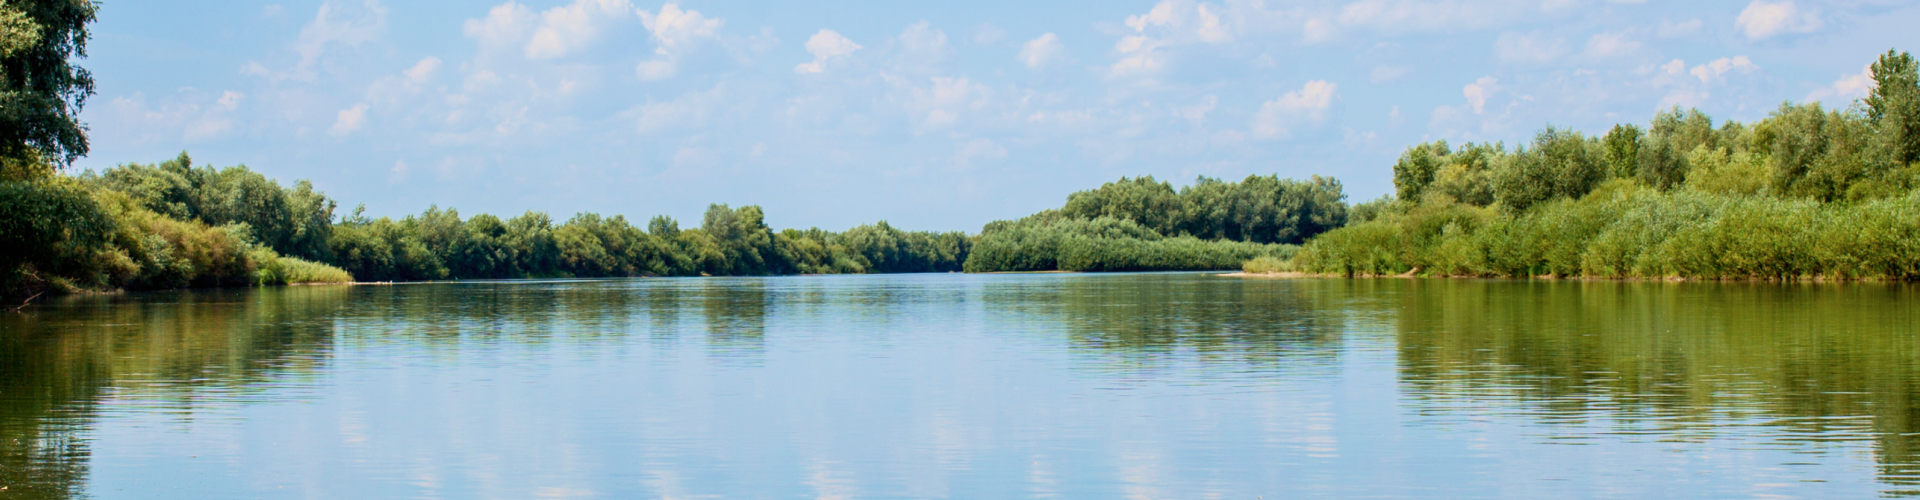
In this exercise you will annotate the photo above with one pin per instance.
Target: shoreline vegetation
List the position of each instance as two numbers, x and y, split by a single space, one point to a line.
1805 194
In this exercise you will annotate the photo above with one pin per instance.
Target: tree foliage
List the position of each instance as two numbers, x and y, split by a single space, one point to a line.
294 221
1805 193
1258 209
41 90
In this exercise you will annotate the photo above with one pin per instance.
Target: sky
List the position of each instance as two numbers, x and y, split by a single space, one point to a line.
929 115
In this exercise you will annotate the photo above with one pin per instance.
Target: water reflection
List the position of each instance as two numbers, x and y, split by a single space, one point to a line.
1808 364
1146 322
62 363
1093 386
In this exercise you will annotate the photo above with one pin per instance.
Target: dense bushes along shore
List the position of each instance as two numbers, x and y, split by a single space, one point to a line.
1145 225
1805 193
173 225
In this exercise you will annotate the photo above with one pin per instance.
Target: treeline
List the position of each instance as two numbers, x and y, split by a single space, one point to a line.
175 225
1145 225
1806 193
439 244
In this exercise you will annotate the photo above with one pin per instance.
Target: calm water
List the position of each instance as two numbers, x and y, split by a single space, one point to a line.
954 386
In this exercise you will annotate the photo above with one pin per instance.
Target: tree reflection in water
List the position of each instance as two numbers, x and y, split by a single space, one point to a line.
1817 362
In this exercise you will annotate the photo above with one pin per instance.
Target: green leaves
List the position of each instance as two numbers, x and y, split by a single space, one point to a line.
40 88
1894 105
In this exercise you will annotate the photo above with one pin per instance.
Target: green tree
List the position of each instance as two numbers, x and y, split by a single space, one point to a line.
41 90
1562 164
1623 150
1417 168
1144 200
1894 105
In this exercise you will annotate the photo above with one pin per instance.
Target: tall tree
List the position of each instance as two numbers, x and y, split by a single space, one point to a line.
41 90
1894 104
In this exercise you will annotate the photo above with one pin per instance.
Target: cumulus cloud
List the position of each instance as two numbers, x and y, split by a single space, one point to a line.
921 47
1170 22
1762 19
674 28
1185 17
1847 88
423 70
825 45
349 120
230 100
674 32
1688 87
505 26
569 28
1040 51
1718 68
189 116
1308 103
336 24
946 99
1611 44
1478 92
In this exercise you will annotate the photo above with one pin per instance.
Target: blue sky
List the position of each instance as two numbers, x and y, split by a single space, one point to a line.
931 115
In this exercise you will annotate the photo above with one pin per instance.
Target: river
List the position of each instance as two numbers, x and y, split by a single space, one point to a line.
1146 386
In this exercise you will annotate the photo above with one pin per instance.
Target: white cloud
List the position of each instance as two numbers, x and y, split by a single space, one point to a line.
674 32
1528 47
349 120
398 173
569 28
1184 17
189 116
1846 89
1708 72
230 100
1478 92
825 45
1691 87
1169 23
1040 51
336 24
505 26
1762 19
1308 103
673 28
423 70
1137 55
1611 44
921 47
946 99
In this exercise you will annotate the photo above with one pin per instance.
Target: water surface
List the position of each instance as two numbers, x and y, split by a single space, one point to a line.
963 386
